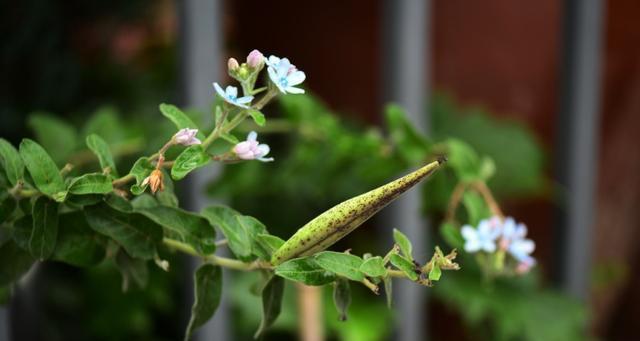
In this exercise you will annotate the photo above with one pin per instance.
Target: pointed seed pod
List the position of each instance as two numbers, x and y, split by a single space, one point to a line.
340 220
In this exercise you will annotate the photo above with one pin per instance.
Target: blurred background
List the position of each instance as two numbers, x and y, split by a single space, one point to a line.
549 89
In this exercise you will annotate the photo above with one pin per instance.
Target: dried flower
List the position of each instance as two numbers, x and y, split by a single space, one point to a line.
154 180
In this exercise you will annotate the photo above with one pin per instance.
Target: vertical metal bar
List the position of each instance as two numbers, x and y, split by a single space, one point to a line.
577 141
201 64
405 66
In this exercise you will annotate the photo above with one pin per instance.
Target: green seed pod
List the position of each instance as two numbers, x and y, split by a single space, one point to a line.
335 223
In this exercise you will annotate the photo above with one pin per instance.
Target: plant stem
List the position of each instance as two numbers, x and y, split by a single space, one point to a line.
482 188
213 259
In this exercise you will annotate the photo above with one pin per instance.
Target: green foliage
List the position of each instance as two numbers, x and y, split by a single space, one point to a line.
342 297
134 232
101 149
14 262
11 162
43 238
241 231
258 117
141 169
42 169
191 158
403 242
405 265
56 136
92 183
272 295
304 270
373 267
342 264
411 146
77 244
183 226
179 118
208 290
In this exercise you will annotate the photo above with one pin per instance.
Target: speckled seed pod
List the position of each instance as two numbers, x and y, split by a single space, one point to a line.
335 223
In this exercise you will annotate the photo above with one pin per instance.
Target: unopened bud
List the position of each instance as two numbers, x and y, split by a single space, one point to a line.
255 59
232 64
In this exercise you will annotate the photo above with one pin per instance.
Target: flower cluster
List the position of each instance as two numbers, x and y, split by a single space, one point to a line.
495 234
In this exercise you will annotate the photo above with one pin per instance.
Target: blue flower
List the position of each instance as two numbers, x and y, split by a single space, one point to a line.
513 240
484 237
230 95
285 75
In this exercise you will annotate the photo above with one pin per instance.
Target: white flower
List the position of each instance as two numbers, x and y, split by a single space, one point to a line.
285 75
484 237
513 240
186 137
251 150
230 95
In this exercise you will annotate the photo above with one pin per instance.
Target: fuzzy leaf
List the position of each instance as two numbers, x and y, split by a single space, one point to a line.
191 158
342 264
304 270
207 290
373 267
93 183
11 162
240 230
405 265
45 228
57 136
271 303
342 297
77 243
258 117
403 242
43 170
101 149
184 226
179 118
137 234
132 270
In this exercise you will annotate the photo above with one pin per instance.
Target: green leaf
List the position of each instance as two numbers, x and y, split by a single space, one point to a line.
476 207
43 170
77 243
403 242
45 228
405 265
132 270
240 230
191 158
57 136
80 201
435 273
342 297
140 170
7 207
11 162
123 205
271 304
412 146
22 230
14 262
388 290
93 183
342 264
373 267
100 147
451 234
184 226
179 118
137 234
268 244
208 290
304 270
463 160
258 117
105 123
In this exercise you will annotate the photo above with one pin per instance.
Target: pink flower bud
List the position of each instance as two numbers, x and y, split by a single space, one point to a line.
232 64
255 59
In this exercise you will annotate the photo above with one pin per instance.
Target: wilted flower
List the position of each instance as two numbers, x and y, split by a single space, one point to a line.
154 180
230 95
255 59
251 150
484 237
186 137
285 75
232 64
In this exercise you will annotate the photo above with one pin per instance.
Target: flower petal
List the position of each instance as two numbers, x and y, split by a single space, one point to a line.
296 78
263 149
293 90
245 99
219 90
